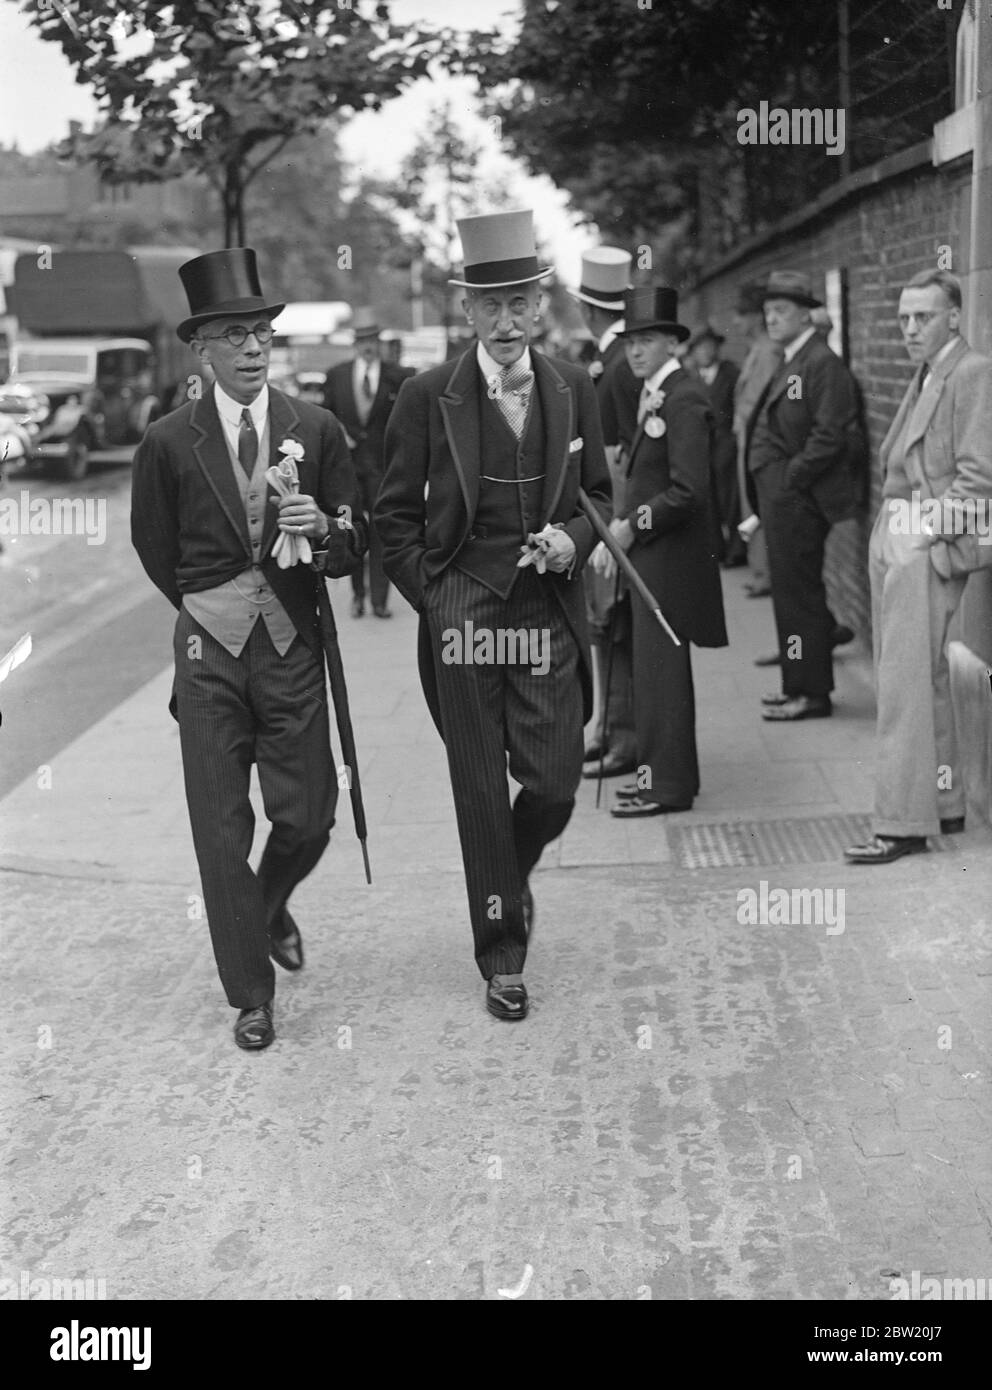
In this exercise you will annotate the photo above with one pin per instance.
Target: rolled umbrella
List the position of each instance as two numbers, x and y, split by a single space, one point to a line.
342 715
620 555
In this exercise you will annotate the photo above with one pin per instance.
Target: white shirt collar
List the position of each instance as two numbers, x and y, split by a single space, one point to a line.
617 326
797 343
708 374
361 367
230 410
653 382
490 368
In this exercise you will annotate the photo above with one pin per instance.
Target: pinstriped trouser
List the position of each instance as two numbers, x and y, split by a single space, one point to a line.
271 710
495 714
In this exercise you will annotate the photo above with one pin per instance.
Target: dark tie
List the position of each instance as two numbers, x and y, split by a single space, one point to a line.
368 383
921 380
247 443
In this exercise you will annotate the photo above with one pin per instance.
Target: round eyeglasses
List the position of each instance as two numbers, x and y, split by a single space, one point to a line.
237 335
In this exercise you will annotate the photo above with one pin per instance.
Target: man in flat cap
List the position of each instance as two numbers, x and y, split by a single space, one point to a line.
801 448
483 533
236 556
605 278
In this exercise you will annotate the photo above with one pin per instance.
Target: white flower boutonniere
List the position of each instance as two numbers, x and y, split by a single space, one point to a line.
595 369
293 449
654 426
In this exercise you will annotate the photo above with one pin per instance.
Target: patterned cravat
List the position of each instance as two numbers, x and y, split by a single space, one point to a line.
511 391
247 443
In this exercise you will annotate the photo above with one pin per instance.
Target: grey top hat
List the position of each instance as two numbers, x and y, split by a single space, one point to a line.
605 277
499 250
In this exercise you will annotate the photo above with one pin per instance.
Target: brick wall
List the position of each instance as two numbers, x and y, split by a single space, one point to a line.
884 226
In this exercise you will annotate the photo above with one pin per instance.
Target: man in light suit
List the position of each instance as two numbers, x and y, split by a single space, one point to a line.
485 456
939 448
669 528
362 393
250 685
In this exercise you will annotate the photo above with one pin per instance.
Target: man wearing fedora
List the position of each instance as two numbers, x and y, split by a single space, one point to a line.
361 393
483 533
669 530
249 685
938 451
800 458
605 278
719 377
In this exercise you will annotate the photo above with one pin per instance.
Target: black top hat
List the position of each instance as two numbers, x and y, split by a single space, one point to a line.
707 331
652 309
222 283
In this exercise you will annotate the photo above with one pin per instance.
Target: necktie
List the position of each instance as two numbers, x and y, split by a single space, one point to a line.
247 443
921 380
367 388
510 389
642 404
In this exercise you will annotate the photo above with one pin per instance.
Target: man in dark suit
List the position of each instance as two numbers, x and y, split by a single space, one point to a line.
718 378
605 278
235 559
800 449
362 393
930 533
482 532
670 532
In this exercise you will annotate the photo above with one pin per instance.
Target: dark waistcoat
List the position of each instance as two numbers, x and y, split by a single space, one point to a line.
509 508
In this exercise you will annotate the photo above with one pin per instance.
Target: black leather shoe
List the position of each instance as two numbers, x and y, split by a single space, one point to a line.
381 611
775 659
506 1001
254 1029
952 825
883 849
800 707
635 806
592 750
612 767
776 698
528 900
358 608
757 590
287 950
841 635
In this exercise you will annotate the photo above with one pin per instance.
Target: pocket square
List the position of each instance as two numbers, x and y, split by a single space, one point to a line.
575 445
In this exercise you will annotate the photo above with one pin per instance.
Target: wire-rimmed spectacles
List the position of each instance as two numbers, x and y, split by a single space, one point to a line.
237 335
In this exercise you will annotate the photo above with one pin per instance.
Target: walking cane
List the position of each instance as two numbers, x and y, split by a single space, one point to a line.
606 536
606 691
342 715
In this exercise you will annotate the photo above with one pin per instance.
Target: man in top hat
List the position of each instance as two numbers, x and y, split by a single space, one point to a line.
483 533
719 378
249 685
361 393
670 531
800 451
759 366
605 278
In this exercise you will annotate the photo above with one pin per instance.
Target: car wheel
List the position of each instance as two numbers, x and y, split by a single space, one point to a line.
75 465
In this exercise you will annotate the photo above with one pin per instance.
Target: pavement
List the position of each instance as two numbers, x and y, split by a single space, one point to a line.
707 1101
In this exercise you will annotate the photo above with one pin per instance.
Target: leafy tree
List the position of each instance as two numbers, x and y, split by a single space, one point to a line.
221 86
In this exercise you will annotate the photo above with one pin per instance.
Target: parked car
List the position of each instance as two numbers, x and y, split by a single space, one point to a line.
22 412
99 393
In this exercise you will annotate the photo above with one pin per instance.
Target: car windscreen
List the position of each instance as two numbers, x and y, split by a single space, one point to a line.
35 362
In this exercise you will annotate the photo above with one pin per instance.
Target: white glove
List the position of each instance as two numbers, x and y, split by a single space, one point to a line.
551 549
603 562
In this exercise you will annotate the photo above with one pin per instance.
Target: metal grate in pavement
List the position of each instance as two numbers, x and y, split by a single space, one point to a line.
737 844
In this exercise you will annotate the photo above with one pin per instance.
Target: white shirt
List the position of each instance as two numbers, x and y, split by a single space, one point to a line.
797 343
618 326
363 401
230 410
708 374
653 383
490 367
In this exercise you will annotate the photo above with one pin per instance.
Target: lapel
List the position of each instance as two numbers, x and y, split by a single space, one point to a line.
559 412
929 397
459 405
210 452
892 434
666 386
785 370
284 423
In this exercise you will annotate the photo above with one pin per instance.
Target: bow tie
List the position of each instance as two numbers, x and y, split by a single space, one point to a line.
509 381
